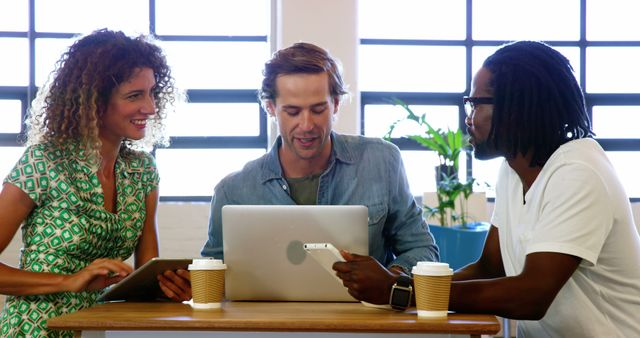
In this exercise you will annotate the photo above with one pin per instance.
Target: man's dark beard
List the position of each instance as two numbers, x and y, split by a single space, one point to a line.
485 151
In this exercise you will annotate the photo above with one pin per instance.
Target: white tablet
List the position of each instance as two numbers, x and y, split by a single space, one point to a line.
142 283
325 254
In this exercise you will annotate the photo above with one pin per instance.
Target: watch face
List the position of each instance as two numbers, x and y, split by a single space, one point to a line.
400 297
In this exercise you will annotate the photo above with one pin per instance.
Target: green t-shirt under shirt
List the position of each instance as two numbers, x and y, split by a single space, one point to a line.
304 190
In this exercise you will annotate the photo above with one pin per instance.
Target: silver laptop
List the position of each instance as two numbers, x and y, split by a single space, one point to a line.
266 261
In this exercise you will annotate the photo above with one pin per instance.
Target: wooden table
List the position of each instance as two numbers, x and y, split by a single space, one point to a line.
268 317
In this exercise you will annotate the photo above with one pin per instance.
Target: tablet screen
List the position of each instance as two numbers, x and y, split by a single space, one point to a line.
142 283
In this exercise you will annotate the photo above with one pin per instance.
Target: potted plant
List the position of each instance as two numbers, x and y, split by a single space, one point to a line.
459 237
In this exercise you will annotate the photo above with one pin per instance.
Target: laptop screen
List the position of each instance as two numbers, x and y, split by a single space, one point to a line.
265 257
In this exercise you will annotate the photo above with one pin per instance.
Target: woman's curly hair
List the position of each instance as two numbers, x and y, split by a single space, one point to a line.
70 107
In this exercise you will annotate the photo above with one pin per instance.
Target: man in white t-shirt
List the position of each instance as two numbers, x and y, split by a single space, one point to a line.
563 254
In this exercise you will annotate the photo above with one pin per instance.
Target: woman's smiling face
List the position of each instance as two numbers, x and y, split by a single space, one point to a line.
131 104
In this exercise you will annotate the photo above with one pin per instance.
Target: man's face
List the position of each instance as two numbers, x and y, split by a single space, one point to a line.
478 121
304 110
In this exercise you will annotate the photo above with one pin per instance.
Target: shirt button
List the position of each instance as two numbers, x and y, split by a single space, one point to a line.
284 187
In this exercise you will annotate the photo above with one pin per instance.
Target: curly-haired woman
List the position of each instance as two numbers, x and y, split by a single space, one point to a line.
84 189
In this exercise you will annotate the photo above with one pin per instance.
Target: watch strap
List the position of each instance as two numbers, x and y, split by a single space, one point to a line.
404 281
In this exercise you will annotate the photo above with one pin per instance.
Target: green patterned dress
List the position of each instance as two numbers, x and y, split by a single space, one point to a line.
69 227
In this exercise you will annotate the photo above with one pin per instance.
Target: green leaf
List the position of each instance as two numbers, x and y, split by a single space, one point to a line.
448 145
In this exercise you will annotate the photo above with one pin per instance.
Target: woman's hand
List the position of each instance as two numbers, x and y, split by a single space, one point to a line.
176 285
96 276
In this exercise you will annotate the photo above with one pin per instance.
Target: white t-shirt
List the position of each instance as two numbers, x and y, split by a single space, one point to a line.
576 206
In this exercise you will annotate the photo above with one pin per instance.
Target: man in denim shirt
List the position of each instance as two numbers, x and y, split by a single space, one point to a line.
311 164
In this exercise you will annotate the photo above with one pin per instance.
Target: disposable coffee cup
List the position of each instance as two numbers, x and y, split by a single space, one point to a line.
207 282
432 282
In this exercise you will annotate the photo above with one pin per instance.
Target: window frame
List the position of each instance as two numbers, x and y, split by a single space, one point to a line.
455 98
26 94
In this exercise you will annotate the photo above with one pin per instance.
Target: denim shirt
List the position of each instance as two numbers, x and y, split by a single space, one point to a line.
361 171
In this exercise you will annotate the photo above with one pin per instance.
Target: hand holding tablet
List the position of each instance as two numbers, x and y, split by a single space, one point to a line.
142 284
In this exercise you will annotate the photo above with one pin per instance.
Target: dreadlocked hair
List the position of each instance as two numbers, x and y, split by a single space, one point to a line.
70 106
538 104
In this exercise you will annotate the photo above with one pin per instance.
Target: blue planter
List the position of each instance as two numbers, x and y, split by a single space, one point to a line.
460 245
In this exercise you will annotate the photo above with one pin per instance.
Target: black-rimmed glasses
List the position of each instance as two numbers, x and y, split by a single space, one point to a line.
471 102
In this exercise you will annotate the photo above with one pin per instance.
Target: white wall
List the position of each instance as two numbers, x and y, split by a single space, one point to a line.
332 25
182 228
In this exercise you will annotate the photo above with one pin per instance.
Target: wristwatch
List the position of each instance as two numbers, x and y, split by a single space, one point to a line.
401 291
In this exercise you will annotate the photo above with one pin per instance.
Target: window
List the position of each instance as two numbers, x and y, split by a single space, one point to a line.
427 52
216 132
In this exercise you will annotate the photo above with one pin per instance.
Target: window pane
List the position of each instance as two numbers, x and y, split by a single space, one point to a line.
486 174
218 65
479 54
412 68
420 166
613 70
10 116
521 19
9 156
13 15
205 17
84 16
378 118
215 119
616 121
573 54
195 172
412 19
14 65
613 20
421 173
48 52
626 166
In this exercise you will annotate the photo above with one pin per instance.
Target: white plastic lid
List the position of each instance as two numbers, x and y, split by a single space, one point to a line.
207 264
432 269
